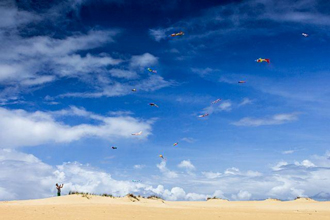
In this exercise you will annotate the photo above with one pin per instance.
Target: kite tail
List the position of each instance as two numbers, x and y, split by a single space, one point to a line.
267 60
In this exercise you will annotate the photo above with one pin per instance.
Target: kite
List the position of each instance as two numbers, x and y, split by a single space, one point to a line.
177 34
153 104
260 60
151 70
216 101
139 133
133 90
202 116
114 148
161 156
175 143
241 82
136 181
305 35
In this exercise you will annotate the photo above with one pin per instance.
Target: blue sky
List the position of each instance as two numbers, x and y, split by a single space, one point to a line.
66 74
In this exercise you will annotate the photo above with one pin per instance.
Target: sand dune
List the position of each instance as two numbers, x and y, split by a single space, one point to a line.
97 208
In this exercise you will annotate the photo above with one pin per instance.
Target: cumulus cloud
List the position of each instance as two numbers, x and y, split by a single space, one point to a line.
22 128
242 195
290 181
273 120
144 60
186 164
167 173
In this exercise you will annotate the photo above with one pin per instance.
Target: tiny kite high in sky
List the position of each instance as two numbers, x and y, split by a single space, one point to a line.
202 116
152 71
153 104
114 148
176 143
133 90
304 34
177 34
260 60
216 101
139 133
241 81
136 181
161 156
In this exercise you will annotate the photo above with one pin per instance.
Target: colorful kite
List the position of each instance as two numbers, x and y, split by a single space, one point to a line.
136 181
177 34
175 143
153 104
152 71
202 116
133 90
216 101
305 35
241 82
260 60
161 156
114 148
139 133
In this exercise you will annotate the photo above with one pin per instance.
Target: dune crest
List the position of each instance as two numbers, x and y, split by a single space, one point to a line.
304 199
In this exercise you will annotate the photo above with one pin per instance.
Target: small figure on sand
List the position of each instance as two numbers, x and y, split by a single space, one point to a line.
58 187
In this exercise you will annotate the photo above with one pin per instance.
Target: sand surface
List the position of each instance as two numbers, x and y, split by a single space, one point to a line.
96 208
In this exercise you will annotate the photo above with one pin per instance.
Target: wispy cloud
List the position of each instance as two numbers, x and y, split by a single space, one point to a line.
215 108
139 166
245 101
188 139
288 152
273 120
202 72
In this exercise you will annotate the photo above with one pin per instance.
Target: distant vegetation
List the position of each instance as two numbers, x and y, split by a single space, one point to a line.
130 195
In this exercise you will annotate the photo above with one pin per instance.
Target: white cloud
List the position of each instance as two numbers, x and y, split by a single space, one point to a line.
75 176
144 60
139 166
168 173
203 72
245 101
38 81
188 139
152 83
127 74
158 34
242 195
232 171
215 108
305 163
289 182
279 165
211 175
288 152
186 164
20 128
274 120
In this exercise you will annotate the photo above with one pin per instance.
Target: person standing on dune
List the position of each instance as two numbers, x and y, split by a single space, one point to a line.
58 187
